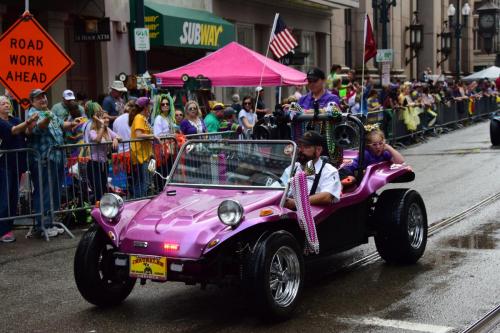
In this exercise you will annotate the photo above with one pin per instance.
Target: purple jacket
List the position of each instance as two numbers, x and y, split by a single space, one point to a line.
306 101
188 128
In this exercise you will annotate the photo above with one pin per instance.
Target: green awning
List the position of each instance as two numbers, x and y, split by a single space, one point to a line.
184 27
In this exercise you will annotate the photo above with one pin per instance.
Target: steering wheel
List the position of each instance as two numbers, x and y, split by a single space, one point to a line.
273 176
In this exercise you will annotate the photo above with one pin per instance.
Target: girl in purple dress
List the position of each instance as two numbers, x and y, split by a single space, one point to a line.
376 151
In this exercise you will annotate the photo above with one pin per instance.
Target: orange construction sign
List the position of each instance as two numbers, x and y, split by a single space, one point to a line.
30 58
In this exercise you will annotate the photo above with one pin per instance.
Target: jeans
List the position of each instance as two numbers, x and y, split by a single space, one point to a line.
9 184
140 180
56 180
97 174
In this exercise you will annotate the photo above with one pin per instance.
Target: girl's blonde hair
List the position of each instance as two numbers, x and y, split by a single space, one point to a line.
372 132
186 107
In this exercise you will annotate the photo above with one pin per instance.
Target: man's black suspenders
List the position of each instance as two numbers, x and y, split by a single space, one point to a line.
316 178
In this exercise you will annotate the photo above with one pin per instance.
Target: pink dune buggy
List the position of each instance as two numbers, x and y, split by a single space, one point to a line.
220 220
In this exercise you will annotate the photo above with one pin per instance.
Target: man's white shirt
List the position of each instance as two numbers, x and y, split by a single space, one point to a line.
328 182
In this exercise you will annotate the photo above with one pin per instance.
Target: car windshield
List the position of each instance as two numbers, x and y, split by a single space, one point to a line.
236 163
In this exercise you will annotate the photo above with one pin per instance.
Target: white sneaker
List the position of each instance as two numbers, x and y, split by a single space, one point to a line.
59 231
50 232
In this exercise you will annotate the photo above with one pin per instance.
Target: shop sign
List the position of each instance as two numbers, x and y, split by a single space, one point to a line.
141 39
30 59
199 34
152 23
384 55
92 30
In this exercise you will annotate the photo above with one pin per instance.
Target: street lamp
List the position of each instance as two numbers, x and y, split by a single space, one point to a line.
416 33
383 6
458 29
489 15
445 43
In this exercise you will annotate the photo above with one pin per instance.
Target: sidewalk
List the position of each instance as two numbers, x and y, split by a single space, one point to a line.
24 247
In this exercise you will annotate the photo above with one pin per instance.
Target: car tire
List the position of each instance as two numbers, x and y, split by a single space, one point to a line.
401 226
275 294
97 280
495 131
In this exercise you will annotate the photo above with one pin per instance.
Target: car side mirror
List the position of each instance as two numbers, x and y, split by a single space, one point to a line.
152 166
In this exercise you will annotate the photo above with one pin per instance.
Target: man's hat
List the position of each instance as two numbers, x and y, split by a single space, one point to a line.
68 95
311 138
229 111
118 86
36 92
217 106
315 74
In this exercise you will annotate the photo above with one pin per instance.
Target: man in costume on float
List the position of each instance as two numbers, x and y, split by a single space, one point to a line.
318 96
323 182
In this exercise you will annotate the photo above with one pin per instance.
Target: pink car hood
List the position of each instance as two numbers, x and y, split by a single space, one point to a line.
188 218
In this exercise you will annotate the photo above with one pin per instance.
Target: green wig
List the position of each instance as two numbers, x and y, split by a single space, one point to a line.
157 108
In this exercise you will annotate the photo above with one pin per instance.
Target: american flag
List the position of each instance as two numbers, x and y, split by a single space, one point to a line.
282 40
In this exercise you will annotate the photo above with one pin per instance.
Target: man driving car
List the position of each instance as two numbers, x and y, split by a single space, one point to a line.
323 183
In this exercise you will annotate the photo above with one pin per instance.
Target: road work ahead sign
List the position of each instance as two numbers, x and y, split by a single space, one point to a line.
30 59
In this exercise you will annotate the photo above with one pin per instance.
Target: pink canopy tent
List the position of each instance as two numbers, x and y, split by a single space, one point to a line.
235 66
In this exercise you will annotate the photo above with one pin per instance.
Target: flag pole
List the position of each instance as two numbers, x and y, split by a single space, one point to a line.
267 52
363 68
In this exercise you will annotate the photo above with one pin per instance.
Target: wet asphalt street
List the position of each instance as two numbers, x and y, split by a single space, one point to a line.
454 284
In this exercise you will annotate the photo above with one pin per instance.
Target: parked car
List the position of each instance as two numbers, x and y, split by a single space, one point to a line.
221 220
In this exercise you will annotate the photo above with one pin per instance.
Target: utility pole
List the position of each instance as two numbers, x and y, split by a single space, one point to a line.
140 56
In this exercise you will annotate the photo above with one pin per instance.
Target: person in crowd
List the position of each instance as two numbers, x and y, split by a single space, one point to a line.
12 165
97 168
377 150
141 151
114 103
236 102
45 135
410 111
367 88
260 108
318 95
373 102
333 77
230 121
192 123
354 99
164 116
327 190
179 117
298 92
122 128
213 119
61 109
247 118
428 105
74 135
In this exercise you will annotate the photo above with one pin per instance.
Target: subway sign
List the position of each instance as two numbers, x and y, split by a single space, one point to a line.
169 30
199 34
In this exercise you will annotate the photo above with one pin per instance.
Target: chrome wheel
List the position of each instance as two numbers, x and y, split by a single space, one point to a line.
415 226
284 276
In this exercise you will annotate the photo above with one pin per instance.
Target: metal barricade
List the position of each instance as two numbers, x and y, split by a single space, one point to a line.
23 200
92 169
229 135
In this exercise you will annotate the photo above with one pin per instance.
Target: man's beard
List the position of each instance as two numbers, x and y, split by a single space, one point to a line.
303 159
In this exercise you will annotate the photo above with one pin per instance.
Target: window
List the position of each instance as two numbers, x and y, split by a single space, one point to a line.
245 35
308 45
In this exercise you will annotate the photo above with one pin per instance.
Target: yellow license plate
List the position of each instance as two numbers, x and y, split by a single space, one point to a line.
148 267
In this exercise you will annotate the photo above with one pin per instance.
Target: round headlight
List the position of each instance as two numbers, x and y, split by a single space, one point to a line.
230 213
110 205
